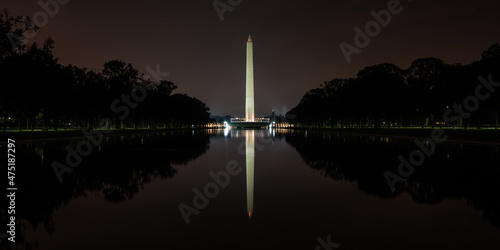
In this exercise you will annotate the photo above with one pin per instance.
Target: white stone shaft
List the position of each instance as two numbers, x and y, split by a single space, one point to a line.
249 100
250 156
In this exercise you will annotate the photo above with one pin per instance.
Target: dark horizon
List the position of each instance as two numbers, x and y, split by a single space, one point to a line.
296 46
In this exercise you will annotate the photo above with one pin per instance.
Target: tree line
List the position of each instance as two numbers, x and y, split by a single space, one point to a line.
385 95
37 91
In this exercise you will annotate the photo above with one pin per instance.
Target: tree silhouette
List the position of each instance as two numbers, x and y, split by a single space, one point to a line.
35 90
384 95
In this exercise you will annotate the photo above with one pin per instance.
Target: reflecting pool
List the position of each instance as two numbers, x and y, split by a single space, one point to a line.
255 189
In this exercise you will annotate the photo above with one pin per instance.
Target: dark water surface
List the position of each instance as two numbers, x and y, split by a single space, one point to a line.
283 190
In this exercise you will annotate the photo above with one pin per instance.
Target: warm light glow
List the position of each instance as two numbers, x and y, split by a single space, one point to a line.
250 155
249 100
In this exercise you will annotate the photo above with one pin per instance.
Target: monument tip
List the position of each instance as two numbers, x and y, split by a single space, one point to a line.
249 38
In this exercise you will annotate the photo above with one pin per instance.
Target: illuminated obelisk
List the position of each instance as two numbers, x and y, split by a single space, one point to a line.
250 155
249 101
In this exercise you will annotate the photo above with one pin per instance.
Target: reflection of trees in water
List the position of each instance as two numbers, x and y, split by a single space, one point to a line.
118 169
454 171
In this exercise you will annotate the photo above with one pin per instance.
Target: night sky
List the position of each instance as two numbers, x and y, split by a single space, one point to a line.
296 42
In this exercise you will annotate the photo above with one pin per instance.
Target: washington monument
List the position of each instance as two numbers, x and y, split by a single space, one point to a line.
250 121
249 101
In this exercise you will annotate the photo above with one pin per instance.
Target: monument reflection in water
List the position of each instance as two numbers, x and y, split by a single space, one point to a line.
250 156
250 146
310 184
